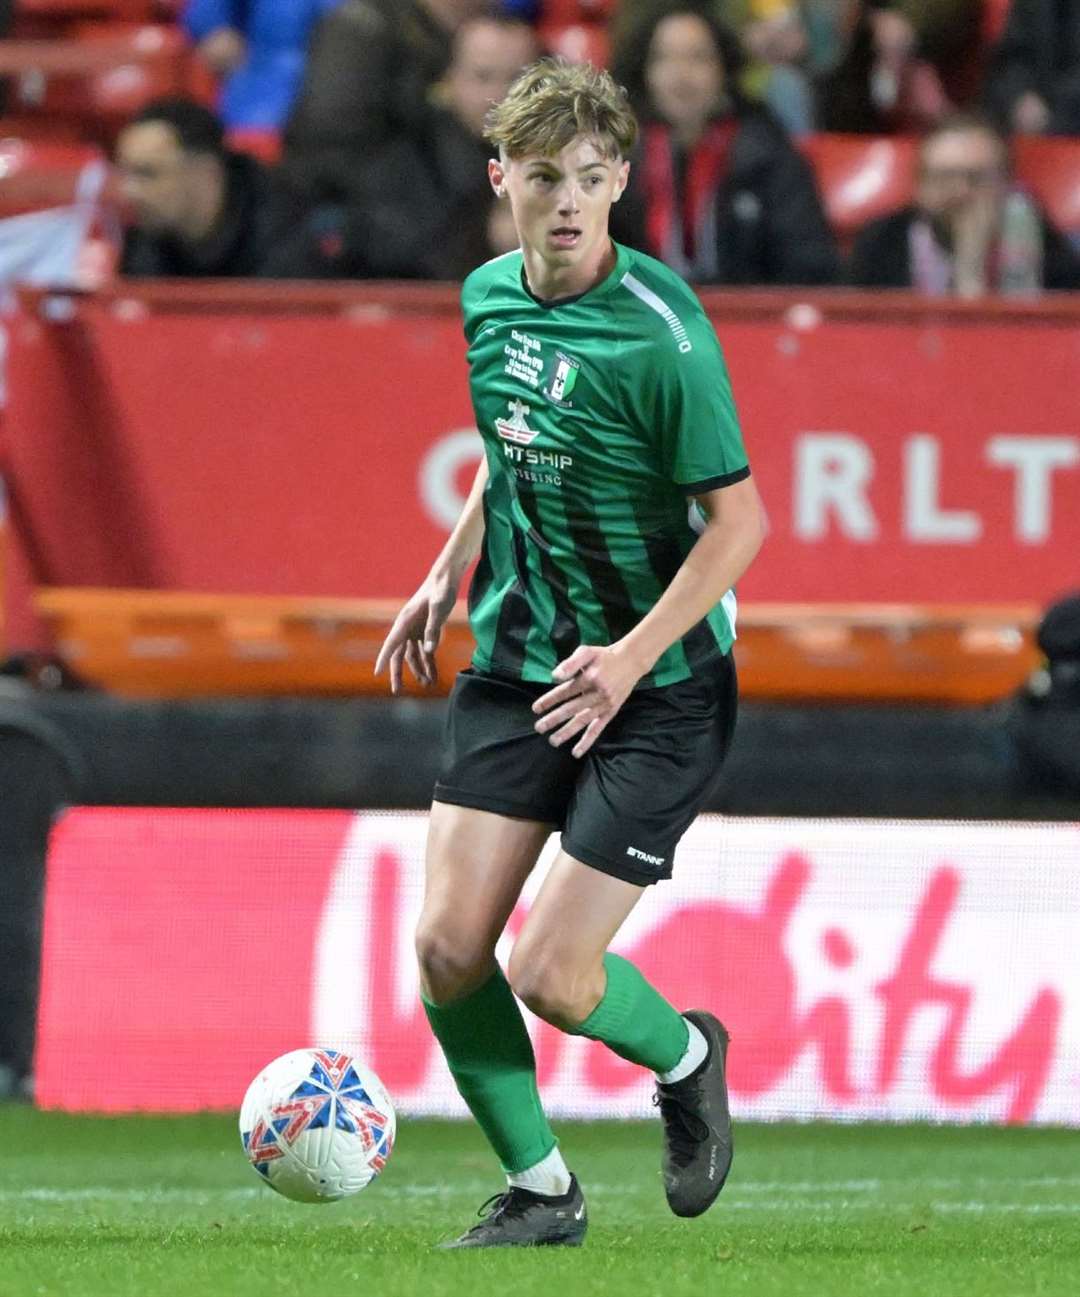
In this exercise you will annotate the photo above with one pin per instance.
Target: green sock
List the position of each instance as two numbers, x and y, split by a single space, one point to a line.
635 1021
491 1059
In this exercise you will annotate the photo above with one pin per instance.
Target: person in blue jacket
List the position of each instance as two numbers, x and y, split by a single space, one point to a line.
258 48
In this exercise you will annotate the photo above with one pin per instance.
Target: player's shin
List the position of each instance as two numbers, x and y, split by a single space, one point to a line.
635 1021
490 1057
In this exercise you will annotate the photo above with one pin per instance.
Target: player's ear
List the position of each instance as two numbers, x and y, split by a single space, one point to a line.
497 176
621 181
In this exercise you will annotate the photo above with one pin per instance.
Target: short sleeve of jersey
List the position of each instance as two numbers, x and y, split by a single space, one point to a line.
690 404
469 297
480 283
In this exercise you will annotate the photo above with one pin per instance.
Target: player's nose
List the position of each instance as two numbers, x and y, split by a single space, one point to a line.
568 200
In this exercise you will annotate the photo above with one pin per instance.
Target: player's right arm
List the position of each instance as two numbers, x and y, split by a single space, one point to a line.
414 636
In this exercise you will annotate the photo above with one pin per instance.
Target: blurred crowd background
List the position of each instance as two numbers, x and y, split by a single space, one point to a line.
926 144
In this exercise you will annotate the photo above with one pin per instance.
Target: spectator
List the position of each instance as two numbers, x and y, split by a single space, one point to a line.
968 232
257 48
422 206
948 34
1034 77
775 36
198 209
370 67
882 84
774 33
721 194
489 53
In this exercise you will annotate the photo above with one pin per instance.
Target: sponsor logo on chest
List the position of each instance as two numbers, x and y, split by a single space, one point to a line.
515 428
538 466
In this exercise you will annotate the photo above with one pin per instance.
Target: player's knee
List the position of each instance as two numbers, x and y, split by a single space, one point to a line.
450 965
550 985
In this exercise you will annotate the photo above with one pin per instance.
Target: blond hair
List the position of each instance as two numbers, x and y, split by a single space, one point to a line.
553 102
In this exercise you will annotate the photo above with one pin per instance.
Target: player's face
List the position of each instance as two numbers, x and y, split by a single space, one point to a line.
561 201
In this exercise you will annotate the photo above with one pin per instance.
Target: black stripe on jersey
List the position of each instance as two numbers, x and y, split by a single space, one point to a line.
605 579
665 559
711 483
515 617
483 575
565 632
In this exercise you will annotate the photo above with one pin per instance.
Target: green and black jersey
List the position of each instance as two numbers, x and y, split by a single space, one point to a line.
600 416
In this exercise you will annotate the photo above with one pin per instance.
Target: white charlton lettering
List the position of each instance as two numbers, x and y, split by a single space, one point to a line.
1034 460
832 470
438 472
924 520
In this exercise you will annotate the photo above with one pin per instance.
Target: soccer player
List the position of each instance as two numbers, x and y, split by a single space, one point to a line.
612 514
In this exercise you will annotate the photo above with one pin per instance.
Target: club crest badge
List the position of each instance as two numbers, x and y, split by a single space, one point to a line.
562 378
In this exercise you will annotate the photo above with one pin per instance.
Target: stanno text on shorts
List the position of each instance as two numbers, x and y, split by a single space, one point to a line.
644 855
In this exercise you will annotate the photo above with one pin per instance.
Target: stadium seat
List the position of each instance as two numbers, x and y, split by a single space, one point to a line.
157 63
36 175
39 129
100 76
1050 167
120 10
860 177
578 42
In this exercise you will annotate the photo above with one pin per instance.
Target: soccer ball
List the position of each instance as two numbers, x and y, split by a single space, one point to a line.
317 1125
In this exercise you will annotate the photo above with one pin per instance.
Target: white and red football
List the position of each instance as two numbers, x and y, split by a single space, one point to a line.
317 1125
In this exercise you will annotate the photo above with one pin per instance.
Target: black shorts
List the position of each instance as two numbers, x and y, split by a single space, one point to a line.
625 804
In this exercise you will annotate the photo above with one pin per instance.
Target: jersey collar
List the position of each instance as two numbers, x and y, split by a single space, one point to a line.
605 286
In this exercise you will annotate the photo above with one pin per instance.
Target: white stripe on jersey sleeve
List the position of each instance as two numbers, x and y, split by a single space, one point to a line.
678 329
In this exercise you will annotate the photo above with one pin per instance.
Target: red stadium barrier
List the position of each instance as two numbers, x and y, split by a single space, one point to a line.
865 969
267 439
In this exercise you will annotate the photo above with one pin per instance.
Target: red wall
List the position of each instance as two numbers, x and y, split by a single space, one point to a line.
290 440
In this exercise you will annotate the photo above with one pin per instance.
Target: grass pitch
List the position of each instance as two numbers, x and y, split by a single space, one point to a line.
153 1207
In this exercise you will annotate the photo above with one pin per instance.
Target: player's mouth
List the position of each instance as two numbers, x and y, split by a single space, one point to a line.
565 236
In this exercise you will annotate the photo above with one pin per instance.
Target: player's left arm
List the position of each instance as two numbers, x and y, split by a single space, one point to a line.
598 680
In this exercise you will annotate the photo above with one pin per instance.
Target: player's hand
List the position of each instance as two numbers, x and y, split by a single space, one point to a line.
596 683
415 634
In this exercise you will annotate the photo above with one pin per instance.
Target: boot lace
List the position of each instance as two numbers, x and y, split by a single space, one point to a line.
507 1205
684 1129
